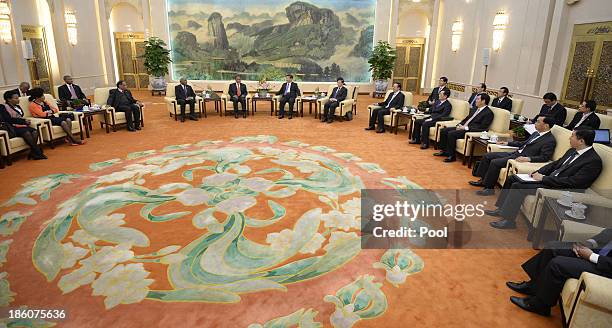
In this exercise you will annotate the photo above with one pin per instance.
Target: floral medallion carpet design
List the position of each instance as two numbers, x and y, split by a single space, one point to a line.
209 222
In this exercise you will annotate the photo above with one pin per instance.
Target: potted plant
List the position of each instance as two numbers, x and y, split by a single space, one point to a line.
263 88
156 59
519 133
381 65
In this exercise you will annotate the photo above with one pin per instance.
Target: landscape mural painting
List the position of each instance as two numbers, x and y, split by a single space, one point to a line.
317 40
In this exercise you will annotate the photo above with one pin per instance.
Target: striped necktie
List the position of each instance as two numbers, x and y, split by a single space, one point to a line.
565 164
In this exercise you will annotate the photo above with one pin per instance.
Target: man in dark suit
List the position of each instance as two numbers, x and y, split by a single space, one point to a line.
577 169
585 116
338 95
503 101
552 266
238 92
481 89
23 90
185 96
70 92
420 131
538 148
288 92
553 109
394 100
435 93
479 120
122 100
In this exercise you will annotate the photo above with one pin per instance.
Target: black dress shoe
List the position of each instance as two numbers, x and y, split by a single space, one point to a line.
380 131
236 116
449 159
414 142
330 121
441 153
137 127
523 287
182 119
496 212
528 304
503 224
476 183
290 116
281 117
193 118
485 192
369 128
424 146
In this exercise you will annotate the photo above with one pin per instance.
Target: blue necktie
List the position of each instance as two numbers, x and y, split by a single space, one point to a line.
287 88
606 249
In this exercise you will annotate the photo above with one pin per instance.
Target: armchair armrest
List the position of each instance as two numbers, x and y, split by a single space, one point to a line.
517 167
446 124
575 231
495 148
170 100
597 290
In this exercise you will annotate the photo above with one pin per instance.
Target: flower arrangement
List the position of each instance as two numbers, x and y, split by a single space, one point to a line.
263 87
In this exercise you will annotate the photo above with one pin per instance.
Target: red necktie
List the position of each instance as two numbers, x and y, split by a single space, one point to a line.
238 89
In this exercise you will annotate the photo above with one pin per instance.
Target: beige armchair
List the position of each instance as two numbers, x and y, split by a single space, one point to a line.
395 121
173 107
570 115
600 192
517 106
276 102
587 301
499 126
225 98
346 106
460 110
48 132
113 118
11 146
606 121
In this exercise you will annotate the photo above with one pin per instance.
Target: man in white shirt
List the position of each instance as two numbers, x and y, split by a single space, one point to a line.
23 89
585 116
552 266
503 101
576 170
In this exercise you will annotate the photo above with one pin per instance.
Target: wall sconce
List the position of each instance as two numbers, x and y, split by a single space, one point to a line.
457 31
5 22
499 26
71 27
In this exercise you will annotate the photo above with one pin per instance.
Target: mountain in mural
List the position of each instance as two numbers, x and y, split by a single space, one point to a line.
313 43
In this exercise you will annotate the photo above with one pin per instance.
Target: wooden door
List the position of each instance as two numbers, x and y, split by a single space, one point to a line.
589 67
130 48
408 67
38 66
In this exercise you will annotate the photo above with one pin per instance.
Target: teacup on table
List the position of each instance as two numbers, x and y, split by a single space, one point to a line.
578 211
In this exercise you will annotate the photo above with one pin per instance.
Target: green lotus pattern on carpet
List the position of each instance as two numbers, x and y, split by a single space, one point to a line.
235 196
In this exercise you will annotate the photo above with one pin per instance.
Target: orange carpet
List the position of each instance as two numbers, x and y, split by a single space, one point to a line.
452 288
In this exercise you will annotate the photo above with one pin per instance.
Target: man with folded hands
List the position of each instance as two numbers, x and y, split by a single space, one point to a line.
551 267
576 170
440 109
538 148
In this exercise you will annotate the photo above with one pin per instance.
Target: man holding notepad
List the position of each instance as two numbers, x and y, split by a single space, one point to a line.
576 170
538 148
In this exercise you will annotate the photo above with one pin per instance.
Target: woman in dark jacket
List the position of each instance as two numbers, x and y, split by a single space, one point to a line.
12 114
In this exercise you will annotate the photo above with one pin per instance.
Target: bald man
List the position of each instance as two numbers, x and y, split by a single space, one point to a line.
24 88
185 95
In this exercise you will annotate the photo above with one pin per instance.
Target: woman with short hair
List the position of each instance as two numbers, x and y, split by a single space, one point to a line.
12 114
40 108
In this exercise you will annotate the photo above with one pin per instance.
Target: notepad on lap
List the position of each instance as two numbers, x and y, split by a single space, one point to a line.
507 147
525 177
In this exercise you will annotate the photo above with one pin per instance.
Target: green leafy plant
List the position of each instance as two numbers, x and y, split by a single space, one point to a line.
519 133
382 60
156 57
